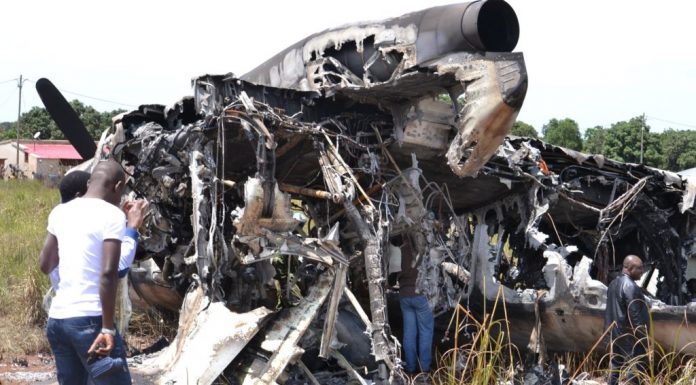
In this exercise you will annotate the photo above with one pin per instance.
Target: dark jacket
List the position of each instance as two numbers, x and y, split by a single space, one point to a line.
627 306
409 271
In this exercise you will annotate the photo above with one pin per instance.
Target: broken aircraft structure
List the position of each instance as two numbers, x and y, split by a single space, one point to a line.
275 195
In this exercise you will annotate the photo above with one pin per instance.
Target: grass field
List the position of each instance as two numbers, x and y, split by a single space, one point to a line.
24 209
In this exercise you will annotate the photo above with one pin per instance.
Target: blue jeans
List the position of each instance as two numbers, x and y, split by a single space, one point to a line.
418 326
70 340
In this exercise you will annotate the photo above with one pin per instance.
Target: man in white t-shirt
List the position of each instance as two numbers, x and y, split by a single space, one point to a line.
74 185
85 236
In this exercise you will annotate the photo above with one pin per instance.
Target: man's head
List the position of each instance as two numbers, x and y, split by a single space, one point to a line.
73 185
633 267
107 182
691 286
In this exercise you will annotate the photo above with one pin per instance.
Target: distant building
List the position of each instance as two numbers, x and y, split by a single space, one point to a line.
38 158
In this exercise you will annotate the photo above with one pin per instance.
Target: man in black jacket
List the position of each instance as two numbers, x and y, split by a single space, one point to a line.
627 315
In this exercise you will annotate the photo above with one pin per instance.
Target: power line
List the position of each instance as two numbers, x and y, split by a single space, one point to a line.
94 97
8 80
671 122
99 99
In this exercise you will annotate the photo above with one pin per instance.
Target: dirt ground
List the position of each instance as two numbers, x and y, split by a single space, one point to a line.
39 369
27 369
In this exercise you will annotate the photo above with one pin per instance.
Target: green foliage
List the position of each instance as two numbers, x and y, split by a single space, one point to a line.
671 150
622 143
38 120
95 121
678 149
564 133
7 131
521 128
444 98
594 140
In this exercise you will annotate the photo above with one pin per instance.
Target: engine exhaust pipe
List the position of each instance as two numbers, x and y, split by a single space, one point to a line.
478 26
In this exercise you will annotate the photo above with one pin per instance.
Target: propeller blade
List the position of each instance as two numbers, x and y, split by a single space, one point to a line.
66 118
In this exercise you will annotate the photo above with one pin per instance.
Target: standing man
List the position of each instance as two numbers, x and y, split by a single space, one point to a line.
417 314
627 315
691 289
74 185
85 236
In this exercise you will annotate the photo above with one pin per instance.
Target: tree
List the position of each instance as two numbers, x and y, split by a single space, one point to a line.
521 128
594 140
564 133
38 120
623 143
7 131
678 149
95 122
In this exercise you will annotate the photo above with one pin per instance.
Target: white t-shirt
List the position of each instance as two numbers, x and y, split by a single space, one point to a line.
128 248
81 226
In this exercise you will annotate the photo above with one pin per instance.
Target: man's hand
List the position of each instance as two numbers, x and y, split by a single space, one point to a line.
135 212
102 345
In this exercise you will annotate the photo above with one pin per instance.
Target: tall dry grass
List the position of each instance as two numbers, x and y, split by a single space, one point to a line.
485 356
659 365
482 353
24 209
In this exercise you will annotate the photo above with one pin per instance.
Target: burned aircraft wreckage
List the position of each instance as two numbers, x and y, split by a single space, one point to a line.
276 198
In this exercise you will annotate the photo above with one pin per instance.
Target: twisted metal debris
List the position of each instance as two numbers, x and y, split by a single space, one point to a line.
275 195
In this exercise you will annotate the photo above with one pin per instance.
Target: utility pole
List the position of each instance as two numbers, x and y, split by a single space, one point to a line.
19 114
642 128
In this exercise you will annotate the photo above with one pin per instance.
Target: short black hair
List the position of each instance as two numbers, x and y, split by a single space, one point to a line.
691 285
73 184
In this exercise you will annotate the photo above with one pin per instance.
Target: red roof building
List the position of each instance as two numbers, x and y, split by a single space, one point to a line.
38 159
52 151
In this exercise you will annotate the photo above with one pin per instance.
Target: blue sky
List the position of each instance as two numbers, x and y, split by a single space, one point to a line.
597 62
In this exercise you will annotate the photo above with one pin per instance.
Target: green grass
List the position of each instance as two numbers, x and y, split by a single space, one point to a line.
24 209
